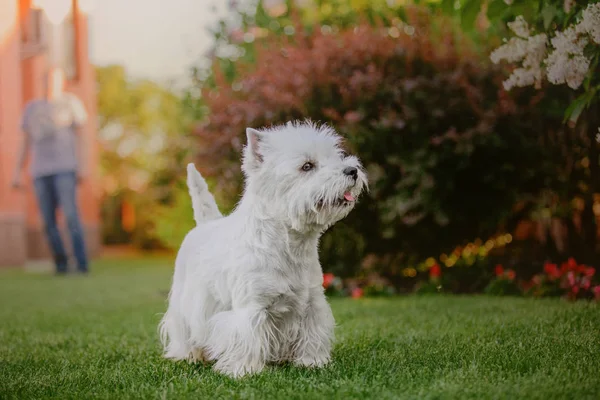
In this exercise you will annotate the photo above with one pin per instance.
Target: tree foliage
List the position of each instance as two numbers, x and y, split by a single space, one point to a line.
144 141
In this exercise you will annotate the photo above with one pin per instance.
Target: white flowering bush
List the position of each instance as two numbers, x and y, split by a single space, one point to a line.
528 50
558 42
565 49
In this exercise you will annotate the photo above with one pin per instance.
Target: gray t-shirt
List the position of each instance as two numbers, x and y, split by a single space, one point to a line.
51 129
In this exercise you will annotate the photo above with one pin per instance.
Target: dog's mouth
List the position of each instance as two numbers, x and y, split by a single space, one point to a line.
346 200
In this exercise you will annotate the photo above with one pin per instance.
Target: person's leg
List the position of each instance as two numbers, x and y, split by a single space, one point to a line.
66 185
48 202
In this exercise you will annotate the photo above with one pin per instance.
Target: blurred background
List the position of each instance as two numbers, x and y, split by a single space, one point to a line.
474 187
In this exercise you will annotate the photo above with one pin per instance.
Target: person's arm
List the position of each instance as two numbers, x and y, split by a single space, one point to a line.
81 153
23 151
79 120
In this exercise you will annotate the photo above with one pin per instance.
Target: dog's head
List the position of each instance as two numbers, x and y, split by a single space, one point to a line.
298 173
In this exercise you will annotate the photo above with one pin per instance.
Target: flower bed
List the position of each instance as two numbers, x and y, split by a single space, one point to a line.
571 280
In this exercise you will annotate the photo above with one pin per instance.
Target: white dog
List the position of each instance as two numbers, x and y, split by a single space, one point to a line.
247 288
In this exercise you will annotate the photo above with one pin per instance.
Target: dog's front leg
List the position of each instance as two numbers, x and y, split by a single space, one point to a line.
313 348
239 340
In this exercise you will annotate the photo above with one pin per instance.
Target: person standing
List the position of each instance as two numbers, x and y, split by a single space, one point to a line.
53 137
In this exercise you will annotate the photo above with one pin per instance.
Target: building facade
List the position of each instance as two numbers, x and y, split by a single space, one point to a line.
35 35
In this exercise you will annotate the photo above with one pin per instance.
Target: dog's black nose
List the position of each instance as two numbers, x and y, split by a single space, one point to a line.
351 171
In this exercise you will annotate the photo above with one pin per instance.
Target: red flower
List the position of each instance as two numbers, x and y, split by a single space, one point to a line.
499 270
327 279
589 271
571 278
564 268
596 291
552 270
585 283
571 264
357 293
435 271
510 274
575 289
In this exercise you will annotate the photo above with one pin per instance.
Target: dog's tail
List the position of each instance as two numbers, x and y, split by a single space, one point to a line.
203 202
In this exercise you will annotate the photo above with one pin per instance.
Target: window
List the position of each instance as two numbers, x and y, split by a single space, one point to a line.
68 37
56 35
33 33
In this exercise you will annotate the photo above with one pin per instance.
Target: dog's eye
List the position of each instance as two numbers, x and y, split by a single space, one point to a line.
343 154
307 166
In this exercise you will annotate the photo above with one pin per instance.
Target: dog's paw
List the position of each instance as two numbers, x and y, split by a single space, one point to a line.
313 362
238 370
197 356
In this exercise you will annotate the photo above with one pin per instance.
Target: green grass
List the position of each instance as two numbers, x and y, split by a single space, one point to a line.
95 337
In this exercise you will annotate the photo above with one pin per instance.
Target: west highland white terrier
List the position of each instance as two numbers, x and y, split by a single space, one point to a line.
248 287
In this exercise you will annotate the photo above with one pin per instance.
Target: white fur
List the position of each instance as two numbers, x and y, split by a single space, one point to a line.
247 288
203 203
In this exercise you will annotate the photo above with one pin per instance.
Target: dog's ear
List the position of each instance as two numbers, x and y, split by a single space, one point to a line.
252 156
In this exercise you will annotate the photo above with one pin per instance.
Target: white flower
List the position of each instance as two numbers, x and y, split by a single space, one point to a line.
513 51
562 68
569 41
509 2
598 136
590 22
520 27
520 77
530 52
566 63
536 50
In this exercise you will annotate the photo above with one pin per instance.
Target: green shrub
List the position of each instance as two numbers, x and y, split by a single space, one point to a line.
448 152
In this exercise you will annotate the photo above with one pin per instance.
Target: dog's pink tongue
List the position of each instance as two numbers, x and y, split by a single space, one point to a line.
348 196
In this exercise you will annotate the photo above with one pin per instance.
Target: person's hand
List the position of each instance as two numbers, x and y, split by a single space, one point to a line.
80 178
16 183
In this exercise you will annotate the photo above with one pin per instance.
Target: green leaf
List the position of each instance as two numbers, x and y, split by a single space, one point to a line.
575 109
370 16
447 6
549 12
590 51
469 13
584 101
590 75
384 18
528 9
496 9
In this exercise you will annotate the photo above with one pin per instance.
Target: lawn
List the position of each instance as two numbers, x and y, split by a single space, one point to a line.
95 337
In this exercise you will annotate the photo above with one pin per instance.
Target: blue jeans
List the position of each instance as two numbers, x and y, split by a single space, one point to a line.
54 191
